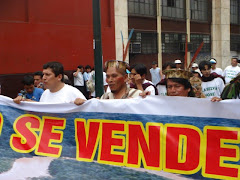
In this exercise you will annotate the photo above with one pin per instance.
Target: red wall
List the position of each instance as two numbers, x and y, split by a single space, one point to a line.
33 32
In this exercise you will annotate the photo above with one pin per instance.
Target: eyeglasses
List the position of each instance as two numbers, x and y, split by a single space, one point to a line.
117 64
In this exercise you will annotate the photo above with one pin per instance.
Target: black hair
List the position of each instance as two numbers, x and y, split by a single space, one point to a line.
203 64
28 80
140 69
185 83
87 67
38 73
57 68
171 64
80 67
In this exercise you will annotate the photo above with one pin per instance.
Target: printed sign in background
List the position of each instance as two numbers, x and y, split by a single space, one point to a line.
152 138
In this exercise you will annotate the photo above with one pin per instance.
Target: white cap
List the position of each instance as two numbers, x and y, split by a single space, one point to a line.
177 61
194 65
213 61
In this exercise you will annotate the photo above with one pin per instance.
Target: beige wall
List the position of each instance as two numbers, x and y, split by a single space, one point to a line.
221 32
121 24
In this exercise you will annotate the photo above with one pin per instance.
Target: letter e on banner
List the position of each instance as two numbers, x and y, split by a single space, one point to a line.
25 139
50 135
222 145
111 140
182 152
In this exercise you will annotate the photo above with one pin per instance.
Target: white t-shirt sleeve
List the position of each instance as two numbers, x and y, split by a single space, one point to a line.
151 89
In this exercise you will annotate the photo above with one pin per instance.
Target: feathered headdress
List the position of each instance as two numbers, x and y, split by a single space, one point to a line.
232 90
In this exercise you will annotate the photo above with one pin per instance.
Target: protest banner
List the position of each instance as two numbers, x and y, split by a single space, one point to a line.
152 138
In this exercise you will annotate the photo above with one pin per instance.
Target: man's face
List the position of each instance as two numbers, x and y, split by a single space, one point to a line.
37 80
194 68
176 89
206 71
49 79
116 81
214 65
154 66
234 62
136 77
88 70
29 88
178 66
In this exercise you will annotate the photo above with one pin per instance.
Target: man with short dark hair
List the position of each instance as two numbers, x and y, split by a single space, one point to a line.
56 91
212 83
231 71
214 68
38 79
78 79
138 77
30 93
156 73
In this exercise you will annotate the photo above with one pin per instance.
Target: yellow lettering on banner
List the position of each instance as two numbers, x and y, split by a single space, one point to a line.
49 135
112 142
1 123
25 139
87 136
222 144
144 145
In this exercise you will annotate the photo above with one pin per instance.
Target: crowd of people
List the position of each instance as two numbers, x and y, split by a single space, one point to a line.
121 81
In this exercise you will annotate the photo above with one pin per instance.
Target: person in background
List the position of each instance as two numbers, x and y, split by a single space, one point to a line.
212 83
214 68
138 77
161 86
38 79
196 69
86 77
56 90
196 83
156 73
231 71
178 63
30 93
116 77
78 79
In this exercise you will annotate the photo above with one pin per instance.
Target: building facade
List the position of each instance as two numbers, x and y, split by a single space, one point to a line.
35 32
162 26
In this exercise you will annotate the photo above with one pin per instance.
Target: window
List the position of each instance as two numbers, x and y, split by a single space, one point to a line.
199 10
234 11
171 42
142 7
173 9
235 43
197 39
175 43
144 43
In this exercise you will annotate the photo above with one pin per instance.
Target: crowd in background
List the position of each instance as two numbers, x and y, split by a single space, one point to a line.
203 80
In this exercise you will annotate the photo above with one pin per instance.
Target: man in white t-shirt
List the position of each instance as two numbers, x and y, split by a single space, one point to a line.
232 71
78 79
56 91
214 67
138 77
156 73
212 84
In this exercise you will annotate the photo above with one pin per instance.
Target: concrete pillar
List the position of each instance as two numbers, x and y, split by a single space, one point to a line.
121 24
221 32
159 30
